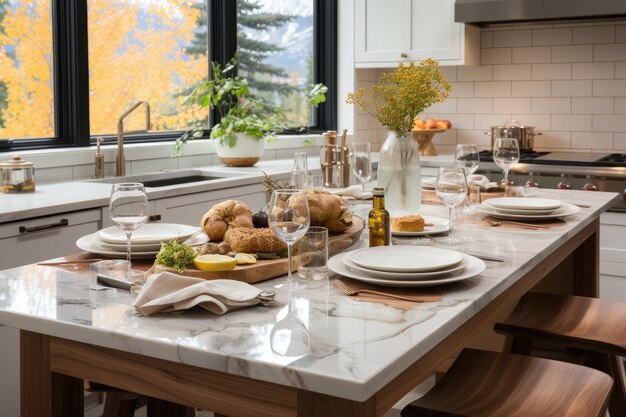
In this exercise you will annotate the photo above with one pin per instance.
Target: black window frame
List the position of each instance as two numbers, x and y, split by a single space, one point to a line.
71 72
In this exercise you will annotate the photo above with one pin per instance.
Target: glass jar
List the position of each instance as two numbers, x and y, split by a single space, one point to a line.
18 176
564 184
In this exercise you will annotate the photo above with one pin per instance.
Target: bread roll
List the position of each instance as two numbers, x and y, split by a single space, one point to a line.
410 223
226 215
253 240
326 210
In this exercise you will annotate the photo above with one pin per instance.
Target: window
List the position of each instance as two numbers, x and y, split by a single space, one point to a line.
70 68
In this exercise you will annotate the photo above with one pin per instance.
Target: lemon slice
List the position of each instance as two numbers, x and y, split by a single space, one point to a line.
214 263
245 258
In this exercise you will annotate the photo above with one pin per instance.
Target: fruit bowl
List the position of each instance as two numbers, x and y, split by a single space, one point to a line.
423 138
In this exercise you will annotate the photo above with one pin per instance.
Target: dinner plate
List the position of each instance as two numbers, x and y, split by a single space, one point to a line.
198 239
520 211
439 225
405 258
148 233
92 244
406 275
474 267
565 210
524 203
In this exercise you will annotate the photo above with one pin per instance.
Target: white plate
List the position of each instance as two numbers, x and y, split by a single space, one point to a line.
198 239
147 233
405 258
524 203
475 267
519 211
92 244
564 211
414 276
439 225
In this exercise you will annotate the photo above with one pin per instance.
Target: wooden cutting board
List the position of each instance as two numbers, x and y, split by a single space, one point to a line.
267 269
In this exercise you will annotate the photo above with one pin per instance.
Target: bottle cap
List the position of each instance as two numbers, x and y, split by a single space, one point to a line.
379 191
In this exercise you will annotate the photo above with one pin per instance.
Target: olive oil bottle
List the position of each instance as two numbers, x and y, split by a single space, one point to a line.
378 220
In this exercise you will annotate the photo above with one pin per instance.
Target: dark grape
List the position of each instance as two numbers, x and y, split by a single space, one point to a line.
259 219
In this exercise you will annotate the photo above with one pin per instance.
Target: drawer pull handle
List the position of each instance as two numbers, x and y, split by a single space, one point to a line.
61 223
154 218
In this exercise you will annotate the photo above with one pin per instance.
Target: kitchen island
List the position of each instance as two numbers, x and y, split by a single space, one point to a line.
363 356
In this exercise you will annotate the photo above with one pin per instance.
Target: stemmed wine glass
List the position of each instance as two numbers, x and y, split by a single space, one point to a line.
289 218
362 162
451 189
505 155
128 209
467 157
290 336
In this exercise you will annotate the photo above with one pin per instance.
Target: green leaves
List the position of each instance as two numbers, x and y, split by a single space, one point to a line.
317 94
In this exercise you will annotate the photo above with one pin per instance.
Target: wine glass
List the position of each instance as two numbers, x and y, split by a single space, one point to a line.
290 336
128 209
362 163
451 189
289 219
467 157
505 155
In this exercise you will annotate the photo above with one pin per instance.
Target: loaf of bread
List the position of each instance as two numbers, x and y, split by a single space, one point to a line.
253 240
410 223
224 216
326 210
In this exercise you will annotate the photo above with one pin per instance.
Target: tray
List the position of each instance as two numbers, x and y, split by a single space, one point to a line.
267 269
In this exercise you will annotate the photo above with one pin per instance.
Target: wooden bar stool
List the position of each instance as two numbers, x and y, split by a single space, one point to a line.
590 328
490 384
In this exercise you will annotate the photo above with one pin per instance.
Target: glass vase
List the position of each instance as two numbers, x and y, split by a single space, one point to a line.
399 174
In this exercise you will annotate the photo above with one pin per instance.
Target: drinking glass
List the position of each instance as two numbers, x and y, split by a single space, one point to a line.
451 189
128 209
467 157
362 162
289 218
505 155
300 171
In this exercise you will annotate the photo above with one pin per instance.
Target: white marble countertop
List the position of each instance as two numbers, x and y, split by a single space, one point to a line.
355 347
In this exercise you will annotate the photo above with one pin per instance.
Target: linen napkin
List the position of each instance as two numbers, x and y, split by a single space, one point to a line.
404 298
167 292
353 192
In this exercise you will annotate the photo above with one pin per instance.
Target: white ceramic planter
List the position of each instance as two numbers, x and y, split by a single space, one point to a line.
246 152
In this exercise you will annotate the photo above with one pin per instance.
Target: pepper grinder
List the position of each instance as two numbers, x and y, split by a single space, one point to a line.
99 161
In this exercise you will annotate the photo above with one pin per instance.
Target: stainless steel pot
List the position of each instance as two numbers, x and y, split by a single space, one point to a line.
525 135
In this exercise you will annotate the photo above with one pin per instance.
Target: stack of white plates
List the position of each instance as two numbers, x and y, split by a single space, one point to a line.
145 241
406 266
528 209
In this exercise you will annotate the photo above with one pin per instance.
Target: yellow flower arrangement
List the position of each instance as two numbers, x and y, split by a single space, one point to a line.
401 95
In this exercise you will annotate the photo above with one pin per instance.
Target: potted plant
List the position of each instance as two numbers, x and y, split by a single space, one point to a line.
396 100
244 122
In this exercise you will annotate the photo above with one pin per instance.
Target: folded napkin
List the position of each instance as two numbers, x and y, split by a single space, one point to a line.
353 191
167 292
404 297
476 179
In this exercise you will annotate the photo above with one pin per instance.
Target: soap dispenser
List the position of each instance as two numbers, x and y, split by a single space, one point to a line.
99 160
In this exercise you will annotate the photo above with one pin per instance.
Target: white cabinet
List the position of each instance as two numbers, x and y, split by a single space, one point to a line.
392 31
613 256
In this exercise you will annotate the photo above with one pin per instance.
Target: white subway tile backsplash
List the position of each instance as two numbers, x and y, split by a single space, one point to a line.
620 105
594 34
482 73
571 123
558 36
553 139
511 105
619 142
461 89
593 71
449 72
620 33
531 55
462 121
609 123
447 106
492 89
485 121
591 105
571 88
445 138
620 70
512 38
486 39
551 71
572 53
495 56
473 136
540 121
552 105
474 105
530 88
512 72
609 88
609 52
592 140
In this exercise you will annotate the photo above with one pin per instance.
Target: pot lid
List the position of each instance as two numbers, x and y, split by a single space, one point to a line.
513 124
16 162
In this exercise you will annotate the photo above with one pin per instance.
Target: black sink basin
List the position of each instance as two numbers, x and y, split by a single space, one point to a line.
178 180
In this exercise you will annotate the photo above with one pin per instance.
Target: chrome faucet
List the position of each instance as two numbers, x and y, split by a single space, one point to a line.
121 161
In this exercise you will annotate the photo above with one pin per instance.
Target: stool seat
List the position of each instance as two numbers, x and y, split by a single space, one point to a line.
490 384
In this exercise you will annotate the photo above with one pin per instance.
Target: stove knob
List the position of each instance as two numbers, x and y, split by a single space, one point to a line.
589 185
564 184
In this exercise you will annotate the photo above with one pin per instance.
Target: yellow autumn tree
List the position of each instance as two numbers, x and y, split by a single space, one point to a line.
136 52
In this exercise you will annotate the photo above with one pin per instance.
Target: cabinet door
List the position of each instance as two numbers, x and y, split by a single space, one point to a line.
379 30
431 31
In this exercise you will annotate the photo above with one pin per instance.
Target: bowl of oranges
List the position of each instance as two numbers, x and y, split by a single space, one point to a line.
424 131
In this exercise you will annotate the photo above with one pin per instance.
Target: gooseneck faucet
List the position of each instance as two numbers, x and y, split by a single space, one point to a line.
121 160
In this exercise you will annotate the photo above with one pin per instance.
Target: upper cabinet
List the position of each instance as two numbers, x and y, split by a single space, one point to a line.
392 31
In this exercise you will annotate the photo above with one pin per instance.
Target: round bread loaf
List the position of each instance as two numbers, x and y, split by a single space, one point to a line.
226 215
253 240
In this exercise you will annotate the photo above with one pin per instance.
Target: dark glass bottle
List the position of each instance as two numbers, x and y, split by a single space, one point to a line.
378 220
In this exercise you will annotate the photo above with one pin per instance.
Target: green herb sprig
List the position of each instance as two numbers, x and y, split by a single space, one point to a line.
176 255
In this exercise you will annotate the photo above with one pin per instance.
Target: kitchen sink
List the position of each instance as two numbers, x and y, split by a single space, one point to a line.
164 179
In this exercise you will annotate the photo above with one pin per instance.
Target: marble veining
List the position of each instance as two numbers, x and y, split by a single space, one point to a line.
355 347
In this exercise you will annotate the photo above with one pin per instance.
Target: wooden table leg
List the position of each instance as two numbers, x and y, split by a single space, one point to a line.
162 408
587 265
311 404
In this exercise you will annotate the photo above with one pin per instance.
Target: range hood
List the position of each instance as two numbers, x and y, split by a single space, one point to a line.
482 12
